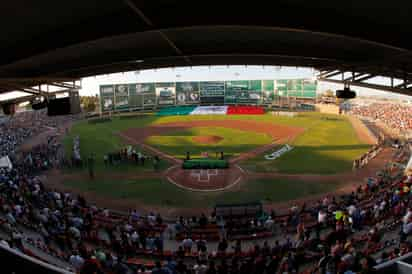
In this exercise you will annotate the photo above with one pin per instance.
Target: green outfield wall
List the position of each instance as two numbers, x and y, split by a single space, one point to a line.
117 97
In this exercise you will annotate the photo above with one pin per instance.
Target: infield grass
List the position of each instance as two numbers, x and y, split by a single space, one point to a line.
233 143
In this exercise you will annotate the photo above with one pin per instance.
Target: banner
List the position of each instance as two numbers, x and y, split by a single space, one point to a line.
149 100
248 92
278 153
212 89
107 97
268 91
309 88
107 103
211 110
212 92
187 93
121 102
121 97
302 88
121 90
135 95
166 94
135 100
107 90
145 88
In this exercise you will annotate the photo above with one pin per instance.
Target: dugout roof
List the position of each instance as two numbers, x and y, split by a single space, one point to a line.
46 40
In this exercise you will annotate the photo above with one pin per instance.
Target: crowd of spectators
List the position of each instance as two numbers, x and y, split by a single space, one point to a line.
345 234
395 116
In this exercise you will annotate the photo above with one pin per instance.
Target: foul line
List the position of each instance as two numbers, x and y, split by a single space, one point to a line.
241 169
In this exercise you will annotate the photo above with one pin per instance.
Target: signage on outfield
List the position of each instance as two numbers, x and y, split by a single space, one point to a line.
139 95
187 93
212 89
122 90
107 90
278 153
166 95
145 88
247 92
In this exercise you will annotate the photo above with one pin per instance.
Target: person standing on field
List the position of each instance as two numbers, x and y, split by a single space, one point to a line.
90 166
156 161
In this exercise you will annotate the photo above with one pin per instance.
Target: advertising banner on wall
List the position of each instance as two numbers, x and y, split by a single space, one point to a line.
212 92
107 97
122 90
249 92
309 88
121 98
145 88
268 89
135 100
166 94
149 100
296 88
121 102
136 95
281 87
107 103
212 89
107 90
187 93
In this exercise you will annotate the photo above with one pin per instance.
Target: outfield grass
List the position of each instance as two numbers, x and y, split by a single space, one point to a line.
233 143
329 145
158 192
101 139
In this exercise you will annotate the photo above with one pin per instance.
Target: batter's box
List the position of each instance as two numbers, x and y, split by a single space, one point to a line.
203 175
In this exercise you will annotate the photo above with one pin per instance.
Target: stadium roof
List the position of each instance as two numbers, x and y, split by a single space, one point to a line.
48 41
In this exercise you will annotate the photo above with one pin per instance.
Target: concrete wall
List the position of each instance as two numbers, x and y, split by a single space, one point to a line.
327 108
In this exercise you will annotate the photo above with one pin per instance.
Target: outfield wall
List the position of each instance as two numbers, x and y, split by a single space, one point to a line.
118 97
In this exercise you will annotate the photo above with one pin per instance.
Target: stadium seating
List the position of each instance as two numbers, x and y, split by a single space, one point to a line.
246 110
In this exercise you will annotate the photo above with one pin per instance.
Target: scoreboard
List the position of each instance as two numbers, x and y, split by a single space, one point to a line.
256 92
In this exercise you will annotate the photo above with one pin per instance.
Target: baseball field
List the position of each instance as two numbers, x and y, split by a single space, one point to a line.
320 161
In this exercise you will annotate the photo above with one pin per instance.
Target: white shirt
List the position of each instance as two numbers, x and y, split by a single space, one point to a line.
76 261
351 210
135 237
200 269
407 228
322 217
407 216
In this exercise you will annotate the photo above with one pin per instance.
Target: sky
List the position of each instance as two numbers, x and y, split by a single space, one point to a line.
90 85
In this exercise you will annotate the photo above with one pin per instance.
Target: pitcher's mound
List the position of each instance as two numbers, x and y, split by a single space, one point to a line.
210 139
